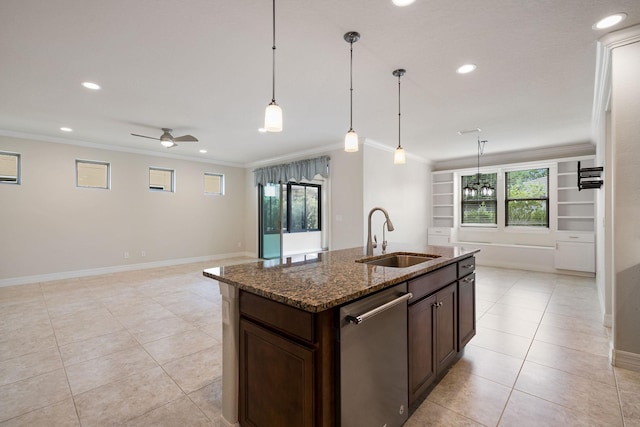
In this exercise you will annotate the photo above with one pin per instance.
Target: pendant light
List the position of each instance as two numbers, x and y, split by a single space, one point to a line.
399 157
273 112
351 138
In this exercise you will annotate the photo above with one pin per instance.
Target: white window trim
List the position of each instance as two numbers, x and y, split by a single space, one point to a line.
18 180
173 180
222 184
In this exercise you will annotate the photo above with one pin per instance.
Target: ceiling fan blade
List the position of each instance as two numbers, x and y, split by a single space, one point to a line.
144 136
186 138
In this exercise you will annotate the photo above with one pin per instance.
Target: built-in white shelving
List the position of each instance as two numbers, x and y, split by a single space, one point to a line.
442 199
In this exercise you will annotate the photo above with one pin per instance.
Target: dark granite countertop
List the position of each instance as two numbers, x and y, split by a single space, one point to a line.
320 281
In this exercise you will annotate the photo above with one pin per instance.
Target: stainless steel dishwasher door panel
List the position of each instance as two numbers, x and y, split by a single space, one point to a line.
373 360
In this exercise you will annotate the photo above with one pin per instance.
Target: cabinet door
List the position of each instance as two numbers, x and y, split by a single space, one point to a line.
420 341
270 362
579 256
446 326
466 310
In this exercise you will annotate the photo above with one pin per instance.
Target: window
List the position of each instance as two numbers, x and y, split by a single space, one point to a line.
90 174
302 207
9 168
527 198
478 208
162 179
214 184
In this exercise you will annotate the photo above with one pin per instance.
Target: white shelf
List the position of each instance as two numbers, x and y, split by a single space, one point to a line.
443 194
443 216
568 188
443 206
575 217
566 173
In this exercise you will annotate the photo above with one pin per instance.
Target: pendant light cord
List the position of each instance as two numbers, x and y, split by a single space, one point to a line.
273 63
351 87
399 75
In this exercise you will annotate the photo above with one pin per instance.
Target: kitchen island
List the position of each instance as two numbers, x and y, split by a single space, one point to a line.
280 328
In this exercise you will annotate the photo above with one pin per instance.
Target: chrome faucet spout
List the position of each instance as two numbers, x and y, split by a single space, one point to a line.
370 245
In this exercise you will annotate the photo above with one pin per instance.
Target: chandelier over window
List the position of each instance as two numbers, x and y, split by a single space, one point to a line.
478 187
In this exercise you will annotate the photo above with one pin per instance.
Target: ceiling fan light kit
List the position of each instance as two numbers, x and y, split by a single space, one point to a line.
167 140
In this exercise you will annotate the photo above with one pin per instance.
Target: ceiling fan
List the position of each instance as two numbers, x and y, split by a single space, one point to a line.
168 140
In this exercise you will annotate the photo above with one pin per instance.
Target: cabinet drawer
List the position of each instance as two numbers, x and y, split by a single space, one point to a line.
431 282
280 316
466 266
566 236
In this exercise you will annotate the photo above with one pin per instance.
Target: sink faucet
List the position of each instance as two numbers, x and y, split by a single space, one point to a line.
384 239
370 244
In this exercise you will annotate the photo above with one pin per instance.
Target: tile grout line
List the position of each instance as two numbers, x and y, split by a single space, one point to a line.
525 358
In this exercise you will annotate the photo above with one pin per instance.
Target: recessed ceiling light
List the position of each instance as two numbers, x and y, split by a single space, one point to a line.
609 21
91 85
262 130
402 3
65 129
203 151
466 68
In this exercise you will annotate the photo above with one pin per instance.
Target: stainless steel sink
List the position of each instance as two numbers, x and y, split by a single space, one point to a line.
398 259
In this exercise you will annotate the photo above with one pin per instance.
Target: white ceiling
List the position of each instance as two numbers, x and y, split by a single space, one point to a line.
203 67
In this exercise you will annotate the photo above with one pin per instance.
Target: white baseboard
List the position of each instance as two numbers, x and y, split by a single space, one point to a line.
225 423
24 280
607 320
626 360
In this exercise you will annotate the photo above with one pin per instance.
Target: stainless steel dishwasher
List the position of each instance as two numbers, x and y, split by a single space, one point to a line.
373 360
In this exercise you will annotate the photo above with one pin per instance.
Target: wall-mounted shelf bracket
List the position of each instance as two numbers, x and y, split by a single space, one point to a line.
589 178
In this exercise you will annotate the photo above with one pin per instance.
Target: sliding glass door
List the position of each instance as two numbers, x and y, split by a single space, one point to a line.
270 215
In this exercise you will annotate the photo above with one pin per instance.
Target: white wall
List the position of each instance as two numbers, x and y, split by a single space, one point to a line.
625 111
50 226
403 190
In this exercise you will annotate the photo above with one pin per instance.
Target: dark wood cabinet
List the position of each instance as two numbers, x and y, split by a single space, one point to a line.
287 365
466 310
276 379
432 340
422 367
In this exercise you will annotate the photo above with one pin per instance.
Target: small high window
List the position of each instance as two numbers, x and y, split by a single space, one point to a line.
162 179
214 184
9 168
92 174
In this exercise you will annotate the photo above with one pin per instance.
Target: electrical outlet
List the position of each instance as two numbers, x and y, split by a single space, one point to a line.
239 244
126 255
143 253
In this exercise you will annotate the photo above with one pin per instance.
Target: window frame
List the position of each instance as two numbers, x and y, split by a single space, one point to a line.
287 218
221 176
94 162
162 190
18 180
478 202
546 199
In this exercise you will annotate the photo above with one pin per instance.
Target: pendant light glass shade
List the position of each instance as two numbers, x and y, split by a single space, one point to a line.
273 112
273 118
351 141
351 138
399 157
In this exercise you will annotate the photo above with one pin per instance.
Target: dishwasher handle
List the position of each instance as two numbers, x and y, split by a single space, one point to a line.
356 320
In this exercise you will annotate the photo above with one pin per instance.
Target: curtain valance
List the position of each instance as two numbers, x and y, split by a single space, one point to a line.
295 171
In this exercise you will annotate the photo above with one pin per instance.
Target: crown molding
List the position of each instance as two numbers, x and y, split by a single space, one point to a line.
58 140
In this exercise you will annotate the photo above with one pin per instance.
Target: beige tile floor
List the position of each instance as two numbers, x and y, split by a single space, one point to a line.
143 348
